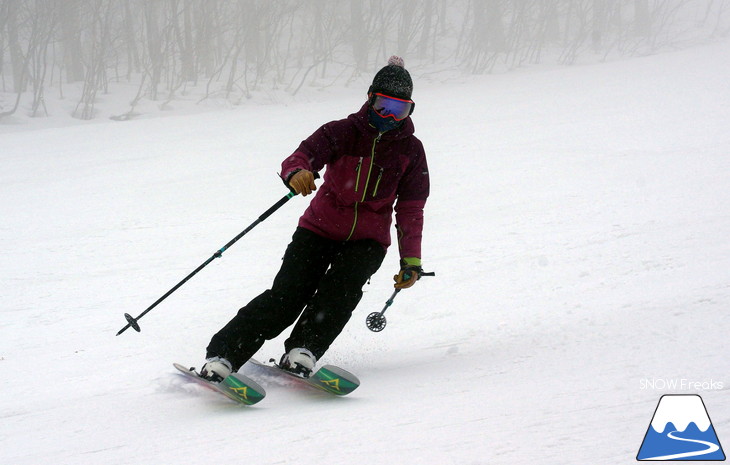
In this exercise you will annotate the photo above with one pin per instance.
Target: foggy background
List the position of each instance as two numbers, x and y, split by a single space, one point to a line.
163 50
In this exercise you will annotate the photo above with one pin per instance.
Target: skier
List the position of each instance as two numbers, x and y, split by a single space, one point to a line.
374 165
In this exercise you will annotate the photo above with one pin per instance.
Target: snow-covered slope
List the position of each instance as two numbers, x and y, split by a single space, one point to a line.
578 226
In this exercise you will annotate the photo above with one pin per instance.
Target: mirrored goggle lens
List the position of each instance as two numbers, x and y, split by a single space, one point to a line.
391 106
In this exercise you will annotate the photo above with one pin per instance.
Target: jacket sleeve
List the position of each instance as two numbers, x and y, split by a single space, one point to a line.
313 153
413 190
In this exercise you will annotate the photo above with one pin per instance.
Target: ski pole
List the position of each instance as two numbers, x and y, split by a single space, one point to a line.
133 322
376 321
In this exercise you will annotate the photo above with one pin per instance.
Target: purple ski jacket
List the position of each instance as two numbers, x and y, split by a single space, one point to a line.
367 176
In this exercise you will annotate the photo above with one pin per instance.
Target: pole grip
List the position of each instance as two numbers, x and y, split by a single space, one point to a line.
314 173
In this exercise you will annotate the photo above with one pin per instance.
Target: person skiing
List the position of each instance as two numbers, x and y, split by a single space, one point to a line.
375 165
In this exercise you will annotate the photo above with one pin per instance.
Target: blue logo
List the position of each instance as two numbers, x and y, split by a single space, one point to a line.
681 430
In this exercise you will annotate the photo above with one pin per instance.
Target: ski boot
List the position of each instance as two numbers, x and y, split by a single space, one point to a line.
216 369
298 361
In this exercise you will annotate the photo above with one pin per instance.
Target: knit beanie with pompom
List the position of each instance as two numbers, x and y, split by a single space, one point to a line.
393 80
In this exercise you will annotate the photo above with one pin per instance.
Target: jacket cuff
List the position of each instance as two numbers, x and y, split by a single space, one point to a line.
287 177
410 261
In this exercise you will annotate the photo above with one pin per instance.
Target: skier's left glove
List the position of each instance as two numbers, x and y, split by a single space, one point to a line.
410 272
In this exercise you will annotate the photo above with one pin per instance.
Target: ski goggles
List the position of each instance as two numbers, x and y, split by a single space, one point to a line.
385 106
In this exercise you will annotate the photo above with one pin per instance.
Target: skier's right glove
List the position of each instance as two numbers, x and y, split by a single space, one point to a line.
302 182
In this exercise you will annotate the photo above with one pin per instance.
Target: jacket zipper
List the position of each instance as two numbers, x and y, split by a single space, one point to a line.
377 182
357 171
367 181
370 172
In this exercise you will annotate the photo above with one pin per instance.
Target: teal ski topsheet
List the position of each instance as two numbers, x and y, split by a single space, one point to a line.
237 387
330 378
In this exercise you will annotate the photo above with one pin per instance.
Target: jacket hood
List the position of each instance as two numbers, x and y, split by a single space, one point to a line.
360 119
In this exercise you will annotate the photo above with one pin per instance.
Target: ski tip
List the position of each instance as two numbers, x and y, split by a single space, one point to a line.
335 380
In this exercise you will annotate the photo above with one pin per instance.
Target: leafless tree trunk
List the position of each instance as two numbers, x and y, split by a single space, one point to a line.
426 32
3 22
204 35
43 24
359 38
405 28
576 33
642 21
184 36
599 23
70 13
486 38
3 16
719 29
16 54
18 64
98 47
154 46
130 41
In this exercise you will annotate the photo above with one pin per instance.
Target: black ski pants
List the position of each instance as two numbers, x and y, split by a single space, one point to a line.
318 275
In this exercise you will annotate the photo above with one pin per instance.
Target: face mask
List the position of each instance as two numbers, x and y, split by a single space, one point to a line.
383 123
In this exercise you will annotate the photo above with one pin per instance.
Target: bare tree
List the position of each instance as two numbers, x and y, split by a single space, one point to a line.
427 31
576 32
599 23
98 47
130 41
3 21
484 39
642 22
42 27
70 14
184 37
16 54
19 68
358 37
31 65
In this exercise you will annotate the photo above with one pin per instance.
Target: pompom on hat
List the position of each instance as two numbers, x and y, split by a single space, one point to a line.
393 80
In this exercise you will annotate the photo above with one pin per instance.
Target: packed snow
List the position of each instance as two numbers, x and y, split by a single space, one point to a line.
578 226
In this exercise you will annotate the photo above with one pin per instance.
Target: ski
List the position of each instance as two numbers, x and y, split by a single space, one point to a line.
329 378
236 387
